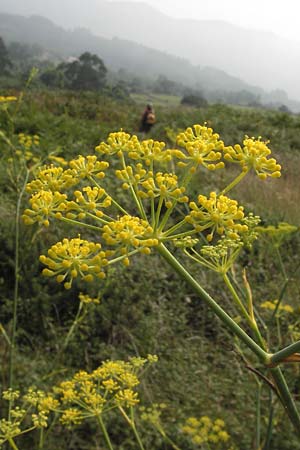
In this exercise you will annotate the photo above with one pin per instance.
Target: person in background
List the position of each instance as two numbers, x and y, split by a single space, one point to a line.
148 119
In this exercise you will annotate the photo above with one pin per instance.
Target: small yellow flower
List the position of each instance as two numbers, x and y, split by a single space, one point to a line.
254 154
203 147
51 178
219 213
86 166
74 258
45 205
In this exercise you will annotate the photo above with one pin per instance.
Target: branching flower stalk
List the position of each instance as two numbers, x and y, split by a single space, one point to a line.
157 180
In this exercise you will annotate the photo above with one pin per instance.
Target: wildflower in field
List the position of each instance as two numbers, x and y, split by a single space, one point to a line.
271 305
51 178
74 258
111 386
279 233
220 214
161 209
28 412
44 205
254 154
206 431
87 300
7 99
203 147
86 166
129 232
118 143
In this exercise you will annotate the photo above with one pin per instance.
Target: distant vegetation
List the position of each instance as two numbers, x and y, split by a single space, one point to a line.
142 69
206 391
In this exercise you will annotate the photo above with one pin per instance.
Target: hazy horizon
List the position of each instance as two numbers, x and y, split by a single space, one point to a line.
264 59
264 15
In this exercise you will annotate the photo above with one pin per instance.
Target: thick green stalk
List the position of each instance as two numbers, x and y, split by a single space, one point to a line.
223 316
12 444
280 383
279 356
286 398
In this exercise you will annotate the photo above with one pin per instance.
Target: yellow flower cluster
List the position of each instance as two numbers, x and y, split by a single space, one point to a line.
117 143
203 147
44 204
111 385
165 186
51 178
147 171
129 232
7 99
278 233
86 166
271 305
218 213
87 300
32 412
90 199
254 154
74 258
28 141
206 431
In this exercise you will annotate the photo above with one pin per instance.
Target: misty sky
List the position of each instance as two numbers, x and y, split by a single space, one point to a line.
280 16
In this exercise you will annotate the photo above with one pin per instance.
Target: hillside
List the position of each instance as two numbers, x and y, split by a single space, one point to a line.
258 57
117 53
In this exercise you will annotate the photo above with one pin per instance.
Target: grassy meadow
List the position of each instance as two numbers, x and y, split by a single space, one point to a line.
145 308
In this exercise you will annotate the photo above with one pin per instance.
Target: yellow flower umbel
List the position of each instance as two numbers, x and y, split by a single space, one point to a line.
206 431
254 154
45 205
74 258
220 214
203 147
129 233
87 166
110 386
147 171
28 412
117 143
51 178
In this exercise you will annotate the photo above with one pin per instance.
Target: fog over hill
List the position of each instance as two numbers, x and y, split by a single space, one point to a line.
259 58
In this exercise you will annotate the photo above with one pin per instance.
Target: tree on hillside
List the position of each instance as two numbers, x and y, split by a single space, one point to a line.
5 62
88 72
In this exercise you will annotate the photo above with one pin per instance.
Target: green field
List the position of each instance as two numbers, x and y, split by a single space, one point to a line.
47 334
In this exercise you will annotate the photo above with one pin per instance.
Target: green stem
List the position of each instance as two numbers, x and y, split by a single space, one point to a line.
105 433
258 414
235 297
114 202
72 328
283 289
16 288
81 224
279 356
41 440
286 398
270 422
251 321
12 444
137 436
223 316
235 182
